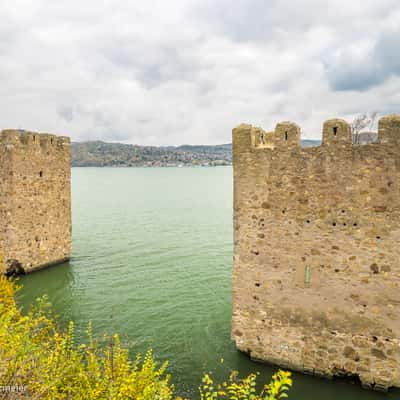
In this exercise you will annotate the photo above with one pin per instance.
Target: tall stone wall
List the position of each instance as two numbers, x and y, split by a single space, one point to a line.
316 280
35 205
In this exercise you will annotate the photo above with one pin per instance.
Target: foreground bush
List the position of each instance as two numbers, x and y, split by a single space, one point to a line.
245 389
39 361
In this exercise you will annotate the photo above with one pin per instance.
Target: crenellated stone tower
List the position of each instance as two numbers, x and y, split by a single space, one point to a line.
35 201
316 278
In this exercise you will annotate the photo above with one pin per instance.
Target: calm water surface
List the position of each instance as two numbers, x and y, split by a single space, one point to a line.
152 254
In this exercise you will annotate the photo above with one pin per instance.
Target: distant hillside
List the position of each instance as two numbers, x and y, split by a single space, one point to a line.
102 154
310 143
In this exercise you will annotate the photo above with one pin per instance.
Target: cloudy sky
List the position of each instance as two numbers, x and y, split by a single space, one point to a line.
171 72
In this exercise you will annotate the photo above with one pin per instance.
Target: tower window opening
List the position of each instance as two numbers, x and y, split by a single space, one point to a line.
335 130
41 173
286 135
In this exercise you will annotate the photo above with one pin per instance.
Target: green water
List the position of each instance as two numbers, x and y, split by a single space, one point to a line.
152 255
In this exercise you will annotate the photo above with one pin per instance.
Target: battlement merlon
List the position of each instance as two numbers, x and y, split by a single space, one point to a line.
389 129
21 139
336 133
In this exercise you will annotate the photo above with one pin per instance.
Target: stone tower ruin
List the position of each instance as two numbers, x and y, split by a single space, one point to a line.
35 201
316 278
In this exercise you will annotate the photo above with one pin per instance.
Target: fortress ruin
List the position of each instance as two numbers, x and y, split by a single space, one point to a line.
316 279
35 204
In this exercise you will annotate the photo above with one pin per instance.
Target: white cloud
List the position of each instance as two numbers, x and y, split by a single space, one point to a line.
188 71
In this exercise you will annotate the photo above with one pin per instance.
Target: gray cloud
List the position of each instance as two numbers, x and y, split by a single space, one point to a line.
353 70
66 113
387 52
346 74
187 72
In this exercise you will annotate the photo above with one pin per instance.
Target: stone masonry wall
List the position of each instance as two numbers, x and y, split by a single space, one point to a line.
35 205
316 280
